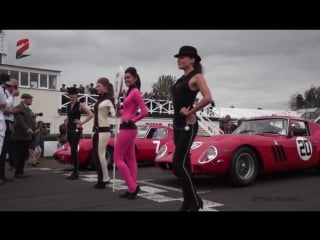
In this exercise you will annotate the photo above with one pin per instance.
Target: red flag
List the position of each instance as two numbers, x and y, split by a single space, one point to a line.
24 43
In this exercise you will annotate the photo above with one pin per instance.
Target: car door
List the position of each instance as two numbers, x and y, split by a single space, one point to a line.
147 146
300 146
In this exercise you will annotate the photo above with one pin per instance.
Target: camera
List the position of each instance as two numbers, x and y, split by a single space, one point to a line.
38 114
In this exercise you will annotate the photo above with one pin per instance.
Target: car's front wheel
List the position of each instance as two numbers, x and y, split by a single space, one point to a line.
243 168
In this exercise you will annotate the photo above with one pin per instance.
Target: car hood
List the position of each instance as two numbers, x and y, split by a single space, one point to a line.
226 140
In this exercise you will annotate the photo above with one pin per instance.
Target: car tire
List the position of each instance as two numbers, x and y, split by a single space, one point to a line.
91 163
109 158
243 168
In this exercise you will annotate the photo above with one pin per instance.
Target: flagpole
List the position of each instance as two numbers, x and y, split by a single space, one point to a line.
118 91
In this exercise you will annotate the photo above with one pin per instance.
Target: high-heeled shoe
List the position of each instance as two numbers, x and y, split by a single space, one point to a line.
184 207
135 193
124 195
101 185
73 176
196 207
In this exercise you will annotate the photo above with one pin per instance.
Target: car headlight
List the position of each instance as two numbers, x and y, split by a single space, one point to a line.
209 155
63 147
161 151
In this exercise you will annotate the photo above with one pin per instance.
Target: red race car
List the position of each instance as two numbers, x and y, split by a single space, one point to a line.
258 145
149 139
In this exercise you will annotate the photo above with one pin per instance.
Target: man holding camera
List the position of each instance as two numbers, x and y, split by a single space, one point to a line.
23 131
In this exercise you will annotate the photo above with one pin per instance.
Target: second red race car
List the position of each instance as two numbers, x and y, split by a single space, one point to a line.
258 145
147 143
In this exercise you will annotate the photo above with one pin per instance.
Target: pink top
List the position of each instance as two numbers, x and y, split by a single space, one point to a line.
131 104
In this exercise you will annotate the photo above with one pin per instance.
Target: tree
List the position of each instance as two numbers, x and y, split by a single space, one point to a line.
293 102
300 101
161 89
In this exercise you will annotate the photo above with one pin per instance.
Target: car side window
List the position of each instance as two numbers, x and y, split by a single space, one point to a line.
157 133
142 131
151 133
299 128
160 133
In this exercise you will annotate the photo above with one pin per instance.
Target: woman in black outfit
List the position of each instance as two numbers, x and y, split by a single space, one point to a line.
185 124
74 127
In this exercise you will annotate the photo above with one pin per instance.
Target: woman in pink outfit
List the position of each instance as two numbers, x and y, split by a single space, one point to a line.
124 151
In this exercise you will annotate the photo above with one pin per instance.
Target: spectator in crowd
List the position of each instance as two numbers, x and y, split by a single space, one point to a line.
63 88
63 132
40 132
11 91
23 130
86 90
92 89
227 125
3 104
81 89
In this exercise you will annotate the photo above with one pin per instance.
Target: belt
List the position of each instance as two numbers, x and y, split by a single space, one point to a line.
128 125
9 121
101 129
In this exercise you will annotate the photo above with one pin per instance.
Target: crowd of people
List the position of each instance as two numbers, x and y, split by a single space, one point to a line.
90 89
20 132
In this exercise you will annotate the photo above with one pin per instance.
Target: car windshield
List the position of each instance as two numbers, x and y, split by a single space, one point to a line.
142 130
270 125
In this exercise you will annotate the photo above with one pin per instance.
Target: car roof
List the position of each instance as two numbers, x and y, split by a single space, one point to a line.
278 117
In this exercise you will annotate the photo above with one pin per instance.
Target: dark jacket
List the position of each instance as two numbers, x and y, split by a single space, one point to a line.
22 122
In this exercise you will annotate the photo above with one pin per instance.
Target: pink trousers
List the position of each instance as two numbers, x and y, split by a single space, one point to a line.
125 157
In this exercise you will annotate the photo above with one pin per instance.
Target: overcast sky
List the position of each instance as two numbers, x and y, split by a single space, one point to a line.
243 68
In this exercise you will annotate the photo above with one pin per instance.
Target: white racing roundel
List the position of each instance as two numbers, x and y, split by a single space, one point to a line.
304 148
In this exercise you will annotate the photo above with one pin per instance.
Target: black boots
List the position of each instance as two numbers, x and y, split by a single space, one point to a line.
191 208
101 185
196 207
73 176
130 195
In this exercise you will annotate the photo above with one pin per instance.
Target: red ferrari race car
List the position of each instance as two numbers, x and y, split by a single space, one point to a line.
149 139
259 145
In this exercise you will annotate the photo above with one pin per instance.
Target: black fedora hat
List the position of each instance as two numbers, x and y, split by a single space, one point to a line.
72 90
188 51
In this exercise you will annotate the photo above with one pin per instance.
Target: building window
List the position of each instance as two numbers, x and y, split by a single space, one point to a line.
53 82
14 74
34 78
24 79
4 71
43 80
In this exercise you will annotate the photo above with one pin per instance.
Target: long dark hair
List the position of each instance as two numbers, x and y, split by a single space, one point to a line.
134 73
197 67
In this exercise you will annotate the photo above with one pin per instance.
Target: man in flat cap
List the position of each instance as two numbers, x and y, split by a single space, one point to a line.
23 131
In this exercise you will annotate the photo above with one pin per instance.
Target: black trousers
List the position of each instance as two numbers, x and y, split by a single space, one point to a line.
73 139
20 154
181 163
95 142
7 149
